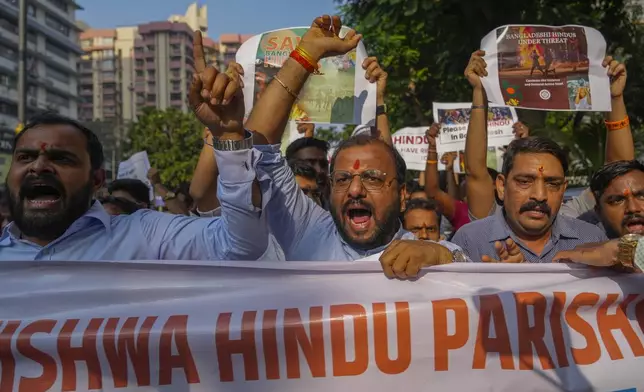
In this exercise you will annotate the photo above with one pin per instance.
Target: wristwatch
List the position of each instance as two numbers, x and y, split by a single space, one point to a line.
458 256
169 196
234 145
626 250
381 109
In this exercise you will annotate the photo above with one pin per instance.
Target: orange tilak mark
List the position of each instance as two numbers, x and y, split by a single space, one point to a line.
356 164
541 169
43 147
627 192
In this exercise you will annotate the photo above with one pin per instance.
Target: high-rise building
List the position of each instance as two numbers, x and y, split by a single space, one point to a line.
229 44
52 54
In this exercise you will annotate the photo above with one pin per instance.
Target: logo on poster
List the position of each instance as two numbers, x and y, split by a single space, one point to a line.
544 94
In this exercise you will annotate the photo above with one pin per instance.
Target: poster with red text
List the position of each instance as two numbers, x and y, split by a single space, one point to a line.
547 68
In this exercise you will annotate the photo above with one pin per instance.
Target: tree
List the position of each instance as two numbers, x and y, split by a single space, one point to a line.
425 45
173 141
334 135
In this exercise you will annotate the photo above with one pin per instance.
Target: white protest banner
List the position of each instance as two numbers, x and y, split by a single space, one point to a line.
412 144
340 96
547 68
454 119
137 167
317 326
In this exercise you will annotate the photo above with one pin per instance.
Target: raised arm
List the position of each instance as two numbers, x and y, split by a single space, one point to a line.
479 186
203 187
375 74
432 183
270 114
241 232
619 139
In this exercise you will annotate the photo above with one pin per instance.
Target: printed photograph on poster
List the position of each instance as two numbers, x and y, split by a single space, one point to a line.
340 95
547 68
454 118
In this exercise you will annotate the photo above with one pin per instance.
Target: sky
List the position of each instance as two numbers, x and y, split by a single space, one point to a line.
224 16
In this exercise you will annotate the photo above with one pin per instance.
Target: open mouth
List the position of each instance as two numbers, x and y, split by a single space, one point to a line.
359 216
41 195
635 225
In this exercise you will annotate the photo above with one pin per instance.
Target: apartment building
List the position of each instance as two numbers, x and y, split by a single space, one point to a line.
229 44
52 55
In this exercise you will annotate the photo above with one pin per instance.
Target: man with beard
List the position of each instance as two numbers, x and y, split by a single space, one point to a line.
618 188
367 178
528 227
57 167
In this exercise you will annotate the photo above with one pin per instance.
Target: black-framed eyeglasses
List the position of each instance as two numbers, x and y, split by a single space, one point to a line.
372 180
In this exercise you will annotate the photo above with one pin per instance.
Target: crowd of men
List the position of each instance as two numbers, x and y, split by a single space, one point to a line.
247 201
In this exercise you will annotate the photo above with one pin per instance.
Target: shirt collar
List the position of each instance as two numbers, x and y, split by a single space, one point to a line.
500 229
11 232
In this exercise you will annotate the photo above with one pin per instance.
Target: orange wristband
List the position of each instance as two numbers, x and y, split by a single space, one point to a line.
432 162
617 125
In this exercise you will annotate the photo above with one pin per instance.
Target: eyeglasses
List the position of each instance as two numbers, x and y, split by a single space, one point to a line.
372 180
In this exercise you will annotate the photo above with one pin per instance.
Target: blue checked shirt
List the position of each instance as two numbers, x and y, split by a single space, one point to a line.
477 238
241 233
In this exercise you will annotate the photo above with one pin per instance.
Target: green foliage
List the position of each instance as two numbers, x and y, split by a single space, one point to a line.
425 45
173 141
333 135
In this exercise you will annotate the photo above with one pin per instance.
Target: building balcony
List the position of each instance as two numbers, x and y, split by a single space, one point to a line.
150 65
177 64
177 39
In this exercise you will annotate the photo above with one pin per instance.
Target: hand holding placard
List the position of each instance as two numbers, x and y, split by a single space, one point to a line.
216 98
323 40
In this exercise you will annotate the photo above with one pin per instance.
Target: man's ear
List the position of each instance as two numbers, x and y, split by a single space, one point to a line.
403 200
500 186
98 179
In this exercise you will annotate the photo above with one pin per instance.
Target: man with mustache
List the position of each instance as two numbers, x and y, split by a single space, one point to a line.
57 166
528 228
618 188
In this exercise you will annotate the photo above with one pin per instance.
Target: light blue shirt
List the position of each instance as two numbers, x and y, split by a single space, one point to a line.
306 231
240 233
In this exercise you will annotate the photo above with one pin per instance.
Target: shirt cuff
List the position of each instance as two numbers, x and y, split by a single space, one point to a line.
236 166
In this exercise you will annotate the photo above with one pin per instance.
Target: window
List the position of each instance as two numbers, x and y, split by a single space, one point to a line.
176 85
151 98
9 108
108 75
8 25
56 75
56 24
108 97
175 97
108 54
139 73
60 4
8 81
57 50
86 43
8 53
176 73
57 99
150 48
105 41
107 65
151 74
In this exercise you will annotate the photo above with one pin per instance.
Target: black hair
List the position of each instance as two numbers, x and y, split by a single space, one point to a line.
607 173
533 145
136 188
422 204
365 140
94 146
413 186
303 169
305 142
493 173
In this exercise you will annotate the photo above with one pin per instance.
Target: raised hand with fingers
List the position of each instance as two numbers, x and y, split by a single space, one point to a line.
476 69
322 39
520 130
216 98
375 74
448 159
431 134
617 73
507 252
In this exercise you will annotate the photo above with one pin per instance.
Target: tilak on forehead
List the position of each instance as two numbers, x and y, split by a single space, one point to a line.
356 164
626 192
43 146
540 168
